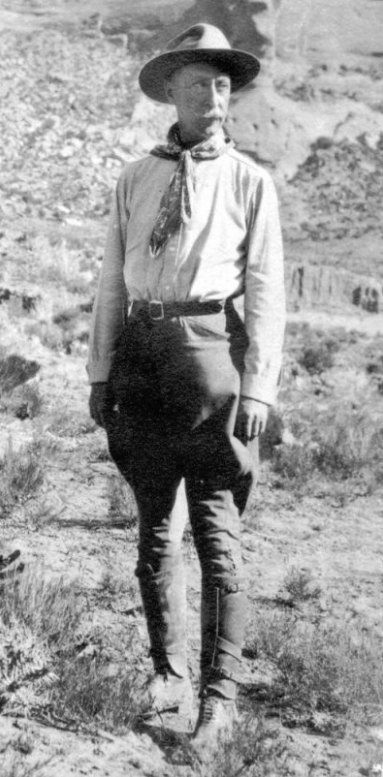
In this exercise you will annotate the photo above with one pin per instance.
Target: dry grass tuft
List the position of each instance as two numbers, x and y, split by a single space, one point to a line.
38 619
14 765
342 441
327 674
21 475
45 664
257 749
88 694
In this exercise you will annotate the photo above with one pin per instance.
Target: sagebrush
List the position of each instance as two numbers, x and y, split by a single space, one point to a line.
21 474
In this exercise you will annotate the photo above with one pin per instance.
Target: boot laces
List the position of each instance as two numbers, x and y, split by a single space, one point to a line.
209 710
212 708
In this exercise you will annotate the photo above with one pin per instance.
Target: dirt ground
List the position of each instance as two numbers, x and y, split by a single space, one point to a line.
51 255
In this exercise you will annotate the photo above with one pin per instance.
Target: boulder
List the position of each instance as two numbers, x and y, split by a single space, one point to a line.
368 295
15 370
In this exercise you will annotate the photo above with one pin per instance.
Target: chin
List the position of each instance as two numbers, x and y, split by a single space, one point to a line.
210 129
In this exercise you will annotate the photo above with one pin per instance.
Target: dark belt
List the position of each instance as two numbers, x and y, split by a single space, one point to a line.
158 311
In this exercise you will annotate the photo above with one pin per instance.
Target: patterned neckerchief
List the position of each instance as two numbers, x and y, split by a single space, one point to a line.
176 205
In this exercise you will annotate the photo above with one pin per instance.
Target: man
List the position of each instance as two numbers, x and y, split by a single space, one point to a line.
180 383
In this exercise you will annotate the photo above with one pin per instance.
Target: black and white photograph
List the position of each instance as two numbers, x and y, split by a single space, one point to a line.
191 388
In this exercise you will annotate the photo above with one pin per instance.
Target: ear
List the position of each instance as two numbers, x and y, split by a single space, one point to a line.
168 89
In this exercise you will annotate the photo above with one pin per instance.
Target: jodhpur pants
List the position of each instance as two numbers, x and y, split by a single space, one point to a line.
176 383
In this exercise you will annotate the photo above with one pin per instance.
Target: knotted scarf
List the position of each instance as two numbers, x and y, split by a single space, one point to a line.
176 206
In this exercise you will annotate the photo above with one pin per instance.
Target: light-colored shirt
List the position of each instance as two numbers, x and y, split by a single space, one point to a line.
231 246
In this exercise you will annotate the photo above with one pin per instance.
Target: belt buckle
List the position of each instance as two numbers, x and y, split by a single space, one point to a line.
156 310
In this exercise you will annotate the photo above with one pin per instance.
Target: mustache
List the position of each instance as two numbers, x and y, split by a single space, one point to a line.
213 115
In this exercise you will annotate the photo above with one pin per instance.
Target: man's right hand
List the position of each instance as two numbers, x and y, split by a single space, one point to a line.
101 402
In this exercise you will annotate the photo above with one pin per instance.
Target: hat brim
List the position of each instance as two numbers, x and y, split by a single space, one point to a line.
241 66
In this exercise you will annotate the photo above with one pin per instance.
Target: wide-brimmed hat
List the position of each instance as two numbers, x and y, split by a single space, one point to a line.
200 43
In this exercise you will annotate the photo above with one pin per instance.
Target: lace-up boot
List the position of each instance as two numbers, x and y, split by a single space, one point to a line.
215 723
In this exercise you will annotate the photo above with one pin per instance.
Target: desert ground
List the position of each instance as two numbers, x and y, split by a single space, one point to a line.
73 646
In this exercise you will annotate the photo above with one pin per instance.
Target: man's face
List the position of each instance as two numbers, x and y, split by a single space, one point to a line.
201 94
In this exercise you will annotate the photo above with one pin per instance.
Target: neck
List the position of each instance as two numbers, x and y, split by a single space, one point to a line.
188 141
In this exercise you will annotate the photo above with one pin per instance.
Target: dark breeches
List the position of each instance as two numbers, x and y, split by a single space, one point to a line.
176 384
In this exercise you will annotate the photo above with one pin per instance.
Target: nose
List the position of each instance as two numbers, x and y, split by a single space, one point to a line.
212 95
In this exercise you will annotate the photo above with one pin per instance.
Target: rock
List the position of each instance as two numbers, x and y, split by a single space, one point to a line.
281 133
324 285
249 25
149 124
15 370
368 296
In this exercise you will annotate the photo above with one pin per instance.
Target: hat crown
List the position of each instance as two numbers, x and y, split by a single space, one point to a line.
199 37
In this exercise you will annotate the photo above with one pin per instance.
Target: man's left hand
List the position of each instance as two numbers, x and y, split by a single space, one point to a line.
251 418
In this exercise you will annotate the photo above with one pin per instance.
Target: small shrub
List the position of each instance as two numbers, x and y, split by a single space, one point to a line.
78 285
21 475
314 349
86 693
24 402
295 464
66 317
38 619
340 442
272 633
50 335
322 668
48 607
318 356
257 749
42 661
300 586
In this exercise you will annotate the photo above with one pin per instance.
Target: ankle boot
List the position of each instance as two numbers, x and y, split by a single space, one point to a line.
215 724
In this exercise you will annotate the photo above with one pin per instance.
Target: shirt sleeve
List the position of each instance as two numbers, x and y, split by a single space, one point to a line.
264 297
108 310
